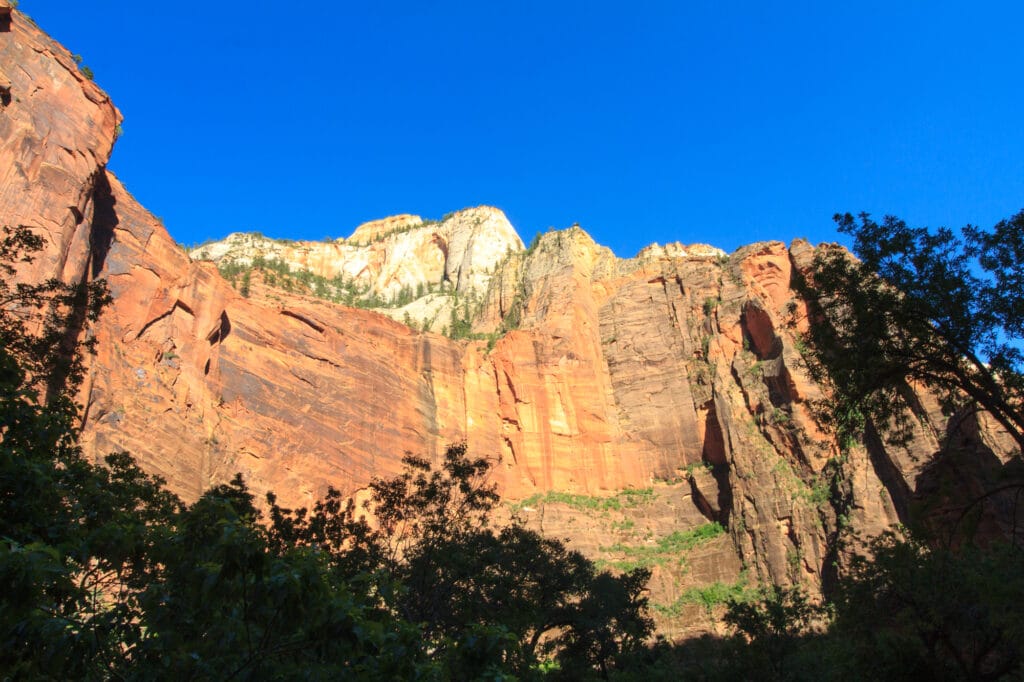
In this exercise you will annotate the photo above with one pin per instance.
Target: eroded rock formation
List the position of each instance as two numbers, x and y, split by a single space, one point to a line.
677 372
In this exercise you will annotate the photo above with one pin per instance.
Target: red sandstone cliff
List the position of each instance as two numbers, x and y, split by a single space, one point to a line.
673 372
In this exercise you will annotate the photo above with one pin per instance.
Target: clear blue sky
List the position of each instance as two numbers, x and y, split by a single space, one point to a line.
714 121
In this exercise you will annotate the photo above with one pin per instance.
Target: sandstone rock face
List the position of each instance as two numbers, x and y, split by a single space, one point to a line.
447 264
57 130
387 255
674 378
378 229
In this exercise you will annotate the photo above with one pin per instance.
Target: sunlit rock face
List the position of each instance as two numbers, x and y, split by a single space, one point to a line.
385 257
57 129
677 373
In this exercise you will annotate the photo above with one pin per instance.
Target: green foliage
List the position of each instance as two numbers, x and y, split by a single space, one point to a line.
709 597
71 534
514 315
818 493
533 597
670 547
461 324
780 417
534 243
695 467
931 307
50 359
107 575
774 626
277 273
800 344
231 599
624 499
934 612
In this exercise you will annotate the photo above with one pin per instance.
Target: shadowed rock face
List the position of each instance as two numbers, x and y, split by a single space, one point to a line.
678 370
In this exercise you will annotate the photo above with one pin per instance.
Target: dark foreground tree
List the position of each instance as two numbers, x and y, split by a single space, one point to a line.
904 611
427 591
910 611
73 537
931 308
226 603
523 597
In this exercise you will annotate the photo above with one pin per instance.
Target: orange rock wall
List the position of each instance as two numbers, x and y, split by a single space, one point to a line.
674 367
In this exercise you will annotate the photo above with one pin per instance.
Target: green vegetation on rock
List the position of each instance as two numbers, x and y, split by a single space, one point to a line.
624 499
277 273
709 597
671 548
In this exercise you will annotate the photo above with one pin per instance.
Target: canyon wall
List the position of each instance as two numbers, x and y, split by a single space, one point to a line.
678 372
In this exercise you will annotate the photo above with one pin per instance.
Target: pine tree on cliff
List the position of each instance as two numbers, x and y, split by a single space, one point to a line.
246 283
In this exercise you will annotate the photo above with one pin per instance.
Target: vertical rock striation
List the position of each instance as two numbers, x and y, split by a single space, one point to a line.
678 371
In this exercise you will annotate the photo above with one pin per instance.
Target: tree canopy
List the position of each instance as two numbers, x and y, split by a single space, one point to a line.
933 308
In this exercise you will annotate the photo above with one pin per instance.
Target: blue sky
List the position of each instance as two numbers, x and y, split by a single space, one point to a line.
718 122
